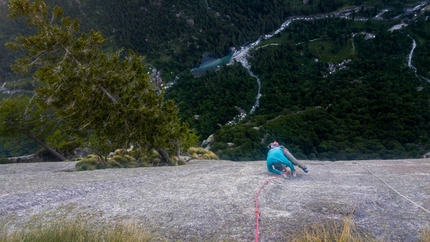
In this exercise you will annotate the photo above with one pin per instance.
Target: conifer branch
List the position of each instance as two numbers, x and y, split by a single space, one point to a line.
108 94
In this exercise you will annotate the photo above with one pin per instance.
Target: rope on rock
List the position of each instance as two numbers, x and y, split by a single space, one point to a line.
257 212
392 188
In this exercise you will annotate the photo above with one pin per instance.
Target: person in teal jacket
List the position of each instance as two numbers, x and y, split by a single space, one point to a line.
276 155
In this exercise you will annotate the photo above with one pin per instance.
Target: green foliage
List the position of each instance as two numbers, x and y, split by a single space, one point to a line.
203 109
132 158
4 160
23 125
199 153
107 97
182 162
143 157
17 145
93 162
180 32
375 107
89 163
62 143
176 34
243 143
125 161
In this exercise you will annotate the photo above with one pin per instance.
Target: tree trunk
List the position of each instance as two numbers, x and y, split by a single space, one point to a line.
178 152
44 145
164 156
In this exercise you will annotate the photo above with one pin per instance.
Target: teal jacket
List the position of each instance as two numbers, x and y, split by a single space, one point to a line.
274 156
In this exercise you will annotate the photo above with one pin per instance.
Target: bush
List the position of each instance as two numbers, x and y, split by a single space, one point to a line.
125 161
4 160
124 158
145 158
45 155
199 153
90 162
181 162
113 164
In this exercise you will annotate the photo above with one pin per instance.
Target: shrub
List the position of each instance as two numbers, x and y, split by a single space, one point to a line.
147 159
4 160
90 162
124 158
199 153
45 155
125 161
113 164
225 157
173 163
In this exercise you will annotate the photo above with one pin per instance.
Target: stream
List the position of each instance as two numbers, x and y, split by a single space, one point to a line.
414 45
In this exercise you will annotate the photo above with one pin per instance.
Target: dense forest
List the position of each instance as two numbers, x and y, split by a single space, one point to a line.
174 35
327 90
375 106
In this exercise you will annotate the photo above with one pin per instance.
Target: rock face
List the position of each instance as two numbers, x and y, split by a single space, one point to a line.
190 22
80 153
214 200
207 143
25 158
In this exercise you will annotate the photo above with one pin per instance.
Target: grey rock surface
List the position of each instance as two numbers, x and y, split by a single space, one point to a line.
214 200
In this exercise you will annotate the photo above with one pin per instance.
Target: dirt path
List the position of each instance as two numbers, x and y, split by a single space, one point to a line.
205 200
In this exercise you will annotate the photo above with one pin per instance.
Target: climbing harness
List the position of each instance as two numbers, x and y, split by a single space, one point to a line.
392 188
257 213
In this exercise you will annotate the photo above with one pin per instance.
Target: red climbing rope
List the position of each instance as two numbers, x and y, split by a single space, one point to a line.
257 213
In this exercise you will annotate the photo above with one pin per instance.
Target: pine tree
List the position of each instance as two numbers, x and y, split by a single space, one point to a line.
107 97
19 116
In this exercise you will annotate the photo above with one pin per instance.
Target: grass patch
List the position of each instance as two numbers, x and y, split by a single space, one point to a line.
425 237
339 231
326 51
201 154
61 225
335 231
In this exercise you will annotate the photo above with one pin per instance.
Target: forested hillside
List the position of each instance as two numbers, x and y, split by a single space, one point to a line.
328 90
372 106
173 35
